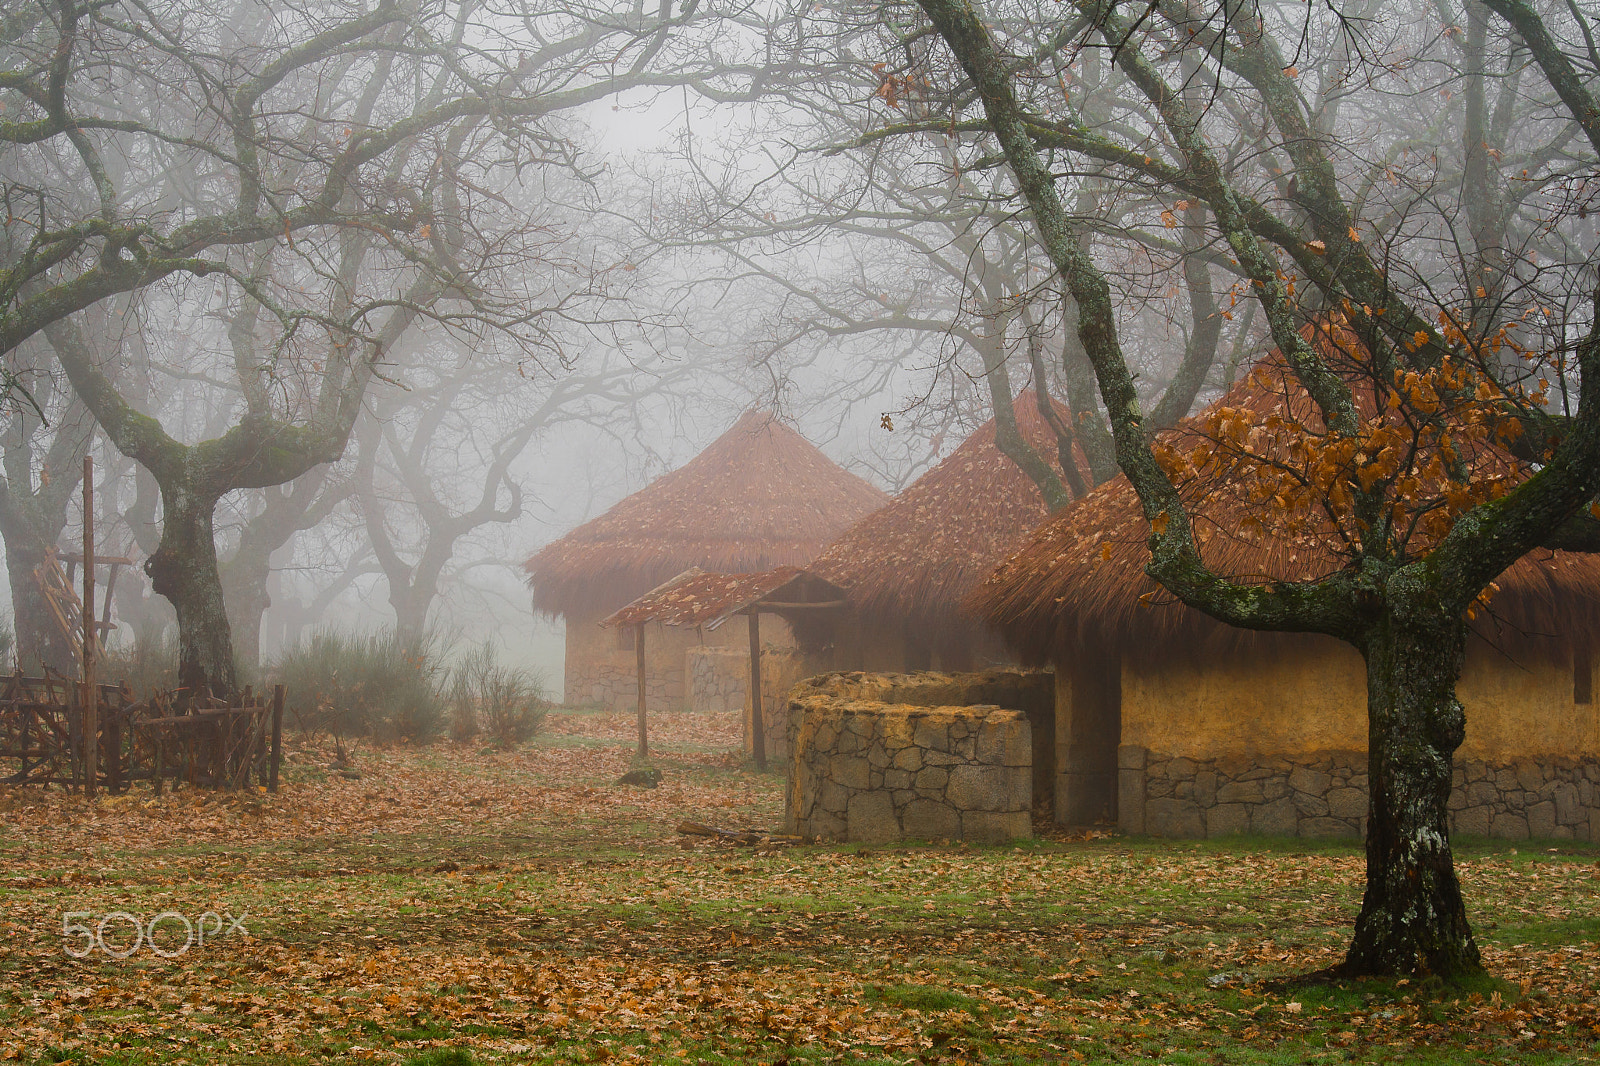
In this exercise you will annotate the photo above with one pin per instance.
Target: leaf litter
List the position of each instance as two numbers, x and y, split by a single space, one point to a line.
523 907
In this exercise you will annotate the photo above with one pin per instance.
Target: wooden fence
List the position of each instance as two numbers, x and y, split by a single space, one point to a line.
201 743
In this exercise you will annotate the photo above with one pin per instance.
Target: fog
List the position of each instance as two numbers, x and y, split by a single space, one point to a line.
378 322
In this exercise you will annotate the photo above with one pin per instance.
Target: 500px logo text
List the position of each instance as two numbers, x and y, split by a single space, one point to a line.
128 933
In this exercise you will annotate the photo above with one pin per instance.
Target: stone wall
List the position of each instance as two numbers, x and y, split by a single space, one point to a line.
616 688
1325 794
871 771
719 683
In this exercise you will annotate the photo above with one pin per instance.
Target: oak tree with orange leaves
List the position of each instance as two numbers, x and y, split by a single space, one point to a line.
1436 335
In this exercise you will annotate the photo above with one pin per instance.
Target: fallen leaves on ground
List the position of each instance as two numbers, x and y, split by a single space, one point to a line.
521 905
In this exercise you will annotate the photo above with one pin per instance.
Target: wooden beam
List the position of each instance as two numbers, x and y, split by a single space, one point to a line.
644 732
758 727
778 605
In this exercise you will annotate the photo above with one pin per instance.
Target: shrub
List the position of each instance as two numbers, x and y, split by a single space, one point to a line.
365 684
504 702
147 664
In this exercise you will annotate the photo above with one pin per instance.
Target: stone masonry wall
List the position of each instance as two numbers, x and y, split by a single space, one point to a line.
872 772
1326 795
719 680
719 683
600 684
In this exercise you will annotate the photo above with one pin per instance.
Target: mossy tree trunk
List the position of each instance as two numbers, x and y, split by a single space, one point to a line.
184 570
1413 918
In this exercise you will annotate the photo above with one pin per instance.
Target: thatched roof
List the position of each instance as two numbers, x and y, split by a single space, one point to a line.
696 598
760 496
918 556
1080 577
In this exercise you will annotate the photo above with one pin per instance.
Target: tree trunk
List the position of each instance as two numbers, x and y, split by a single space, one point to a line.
183 568
246 598
1413 920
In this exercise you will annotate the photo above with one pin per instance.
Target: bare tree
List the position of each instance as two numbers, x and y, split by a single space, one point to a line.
333 174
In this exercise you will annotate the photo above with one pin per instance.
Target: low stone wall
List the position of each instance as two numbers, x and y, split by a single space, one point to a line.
1030 691
869 771
719 680
608 686
1325 795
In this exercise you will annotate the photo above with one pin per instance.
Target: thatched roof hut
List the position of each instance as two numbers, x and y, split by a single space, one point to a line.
760 496
1173 724
1080 577
914 559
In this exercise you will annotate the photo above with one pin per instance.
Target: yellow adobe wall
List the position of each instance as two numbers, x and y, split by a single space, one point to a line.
600 667
1313 699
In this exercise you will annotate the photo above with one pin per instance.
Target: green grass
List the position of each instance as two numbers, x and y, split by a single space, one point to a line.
561 922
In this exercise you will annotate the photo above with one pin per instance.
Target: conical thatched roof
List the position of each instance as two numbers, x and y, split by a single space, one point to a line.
760 496
1080 576
919 555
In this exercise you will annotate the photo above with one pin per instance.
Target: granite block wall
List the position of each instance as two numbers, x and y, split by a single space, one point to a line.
871 772
1325 794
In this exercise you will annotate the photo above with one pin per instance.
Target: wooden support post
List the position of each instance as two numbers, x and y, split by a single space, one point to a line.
758 725
91 724
644 732
277 738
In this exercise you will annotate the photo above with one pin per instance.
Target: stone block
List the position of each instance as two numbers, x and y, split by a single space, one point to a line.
980 788
870 819
1327 827
995 827
1347 803
1529 775
933 778
1130 798
1457 800
1005 741
1205 788
878 756
908 759
1132 757
1241 792
1181 768
1173 818
929 820
1473 821
825 825
1542 819
1227 819
1021 789
830 797
1484 791
851 772
1309 806
932 734
1509 827
940 758
893 779
1569 805
1279 818
1505 779
1311 782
